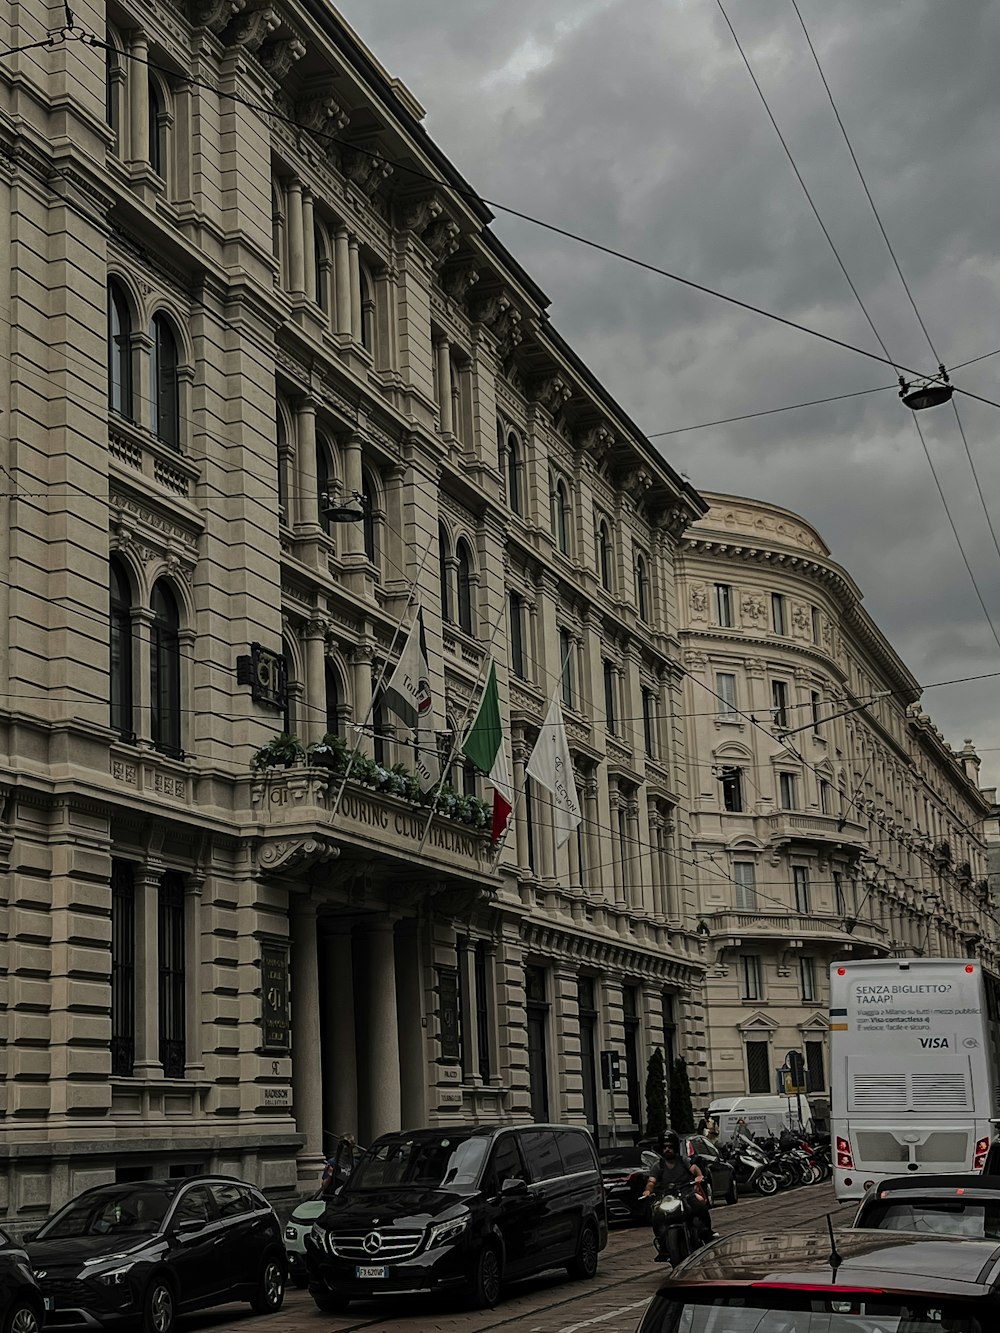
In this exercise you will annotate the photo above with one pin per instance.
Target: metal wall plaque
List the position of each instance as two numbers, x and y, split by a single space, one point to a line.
449 1038
275 1022
266 673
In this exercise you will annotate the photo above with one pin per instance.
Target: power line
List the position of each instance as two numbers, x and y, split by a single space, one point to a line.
770 412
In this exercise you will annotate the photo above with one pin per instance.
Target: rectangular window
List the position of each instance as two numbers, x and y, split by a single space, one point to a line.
538 1058
801 876
529 825
732 789
122 969
814 616
171 979
779 704
814 701
516 606
725 688
825 797
649 723
723 605
778 614
609 696
788 796
750 976
481 976
839 902
807 976
759 1066
815 1073
745 874
566 666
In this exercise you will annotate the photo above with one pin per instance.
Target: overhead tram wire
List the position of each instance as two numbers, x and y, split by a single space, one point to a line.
769 412
470 194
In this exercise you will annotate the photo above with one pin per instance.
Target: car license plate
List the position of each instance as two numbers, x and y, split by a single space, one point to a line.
50 1303
371 1271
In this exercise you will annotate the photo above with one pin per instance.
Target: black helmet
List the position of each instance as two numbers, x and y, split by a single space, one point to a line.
670 1139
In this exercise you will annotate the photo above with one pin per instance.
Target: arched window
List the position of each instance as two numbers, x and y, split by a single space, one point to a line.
324 480
333 700
165 670
444 558
120 649
464 586
119 351
157 128
514 473
368 505
367 312
287 714
605 555
114 82
642 587
283 451
164 383
278 228
561 515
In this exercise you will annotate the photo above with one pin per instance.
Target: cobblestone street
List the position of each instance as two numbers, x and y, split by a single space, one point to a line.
612 1303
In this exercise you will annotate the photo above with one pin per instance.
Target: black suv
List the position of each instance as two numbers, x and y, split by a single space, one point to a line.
137 1255
464 1207
20 1299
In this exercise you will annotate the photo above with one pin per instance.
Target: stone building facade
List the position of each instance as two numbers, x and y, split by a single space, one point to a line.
245 297
829 818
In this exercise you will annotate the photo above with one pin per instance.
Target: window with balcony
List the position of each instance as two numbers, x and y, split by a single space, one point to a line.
164 382
750 977
788 791
732 789
119 352
779 704
609 695
725 688
515 606
807 979
120 649
778 624
745 875
825 797
759 1066
165 670
171 1014
800 877
466 615
724 605
566 665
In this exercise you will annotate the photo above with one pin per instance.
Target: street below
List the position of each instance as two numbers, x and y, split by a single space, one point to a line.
611 1303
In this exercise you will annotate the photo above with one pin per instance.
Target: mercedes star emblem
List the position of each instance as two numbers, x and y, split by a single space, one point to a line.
372 1243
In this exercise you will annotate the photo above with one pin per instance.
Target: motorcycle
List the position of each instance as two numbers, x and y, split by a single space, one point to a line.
752 1167
675 1227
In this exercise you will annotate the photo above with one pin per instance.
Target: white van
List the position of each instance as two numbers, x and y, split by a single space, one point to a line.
764 1115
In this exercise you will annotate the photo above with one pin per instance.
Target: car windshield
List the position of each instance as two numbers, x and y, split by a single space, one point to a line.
109 1212
624 1157
793 1312
438 1163
978 1219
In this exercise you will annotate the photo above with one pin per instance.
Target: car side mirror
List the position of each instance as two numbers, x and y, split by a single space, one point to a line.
188 1225
29 1236
514 1185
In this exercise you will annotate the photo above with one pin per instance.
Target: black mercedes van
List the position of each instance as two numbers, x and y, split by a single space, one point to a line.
466 1207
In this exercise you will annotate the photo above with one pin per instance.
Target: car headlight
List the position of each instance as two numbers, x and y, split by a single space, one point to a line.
114 1277
444 1232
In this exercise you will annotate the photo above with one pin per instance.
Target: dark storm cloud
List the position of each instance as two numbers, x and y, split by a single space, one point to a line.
635 122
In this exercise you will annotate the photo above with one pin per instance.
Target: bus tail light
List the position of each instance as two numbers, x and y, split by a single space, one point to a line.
982 1148
845 1154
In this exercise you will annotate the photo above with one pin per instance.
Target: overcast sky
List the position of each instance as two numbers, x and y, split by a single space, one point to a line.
636 123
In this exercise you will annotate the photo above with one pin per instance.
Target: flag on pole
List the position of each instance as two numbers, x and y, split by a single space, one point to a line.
484 745
551 766
408 694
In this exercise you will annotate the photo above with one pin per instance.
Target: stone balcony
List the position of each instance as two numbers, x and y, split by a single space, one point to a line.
825 831
299 821
732 927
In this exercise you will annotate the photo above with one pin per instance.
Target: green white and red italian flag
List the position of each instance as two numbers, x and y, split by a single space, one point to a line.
484 745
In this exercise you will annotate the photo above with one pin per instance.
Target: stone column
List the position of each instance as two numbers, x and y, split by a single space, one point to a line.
315 703
597 872
442 356
309 245
147 953
354 265
306 503
361 665
138 99
353 539
342 280
307 1045
656 861
296 254
383 1031
340 1066
194 1066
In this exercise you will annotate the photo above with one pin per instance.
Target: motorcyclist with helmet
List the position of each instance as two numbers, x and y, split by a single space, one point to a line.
674 1168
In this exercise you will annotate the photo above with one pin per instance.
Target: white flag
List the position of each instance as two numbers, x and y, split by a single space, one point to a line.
551 765
408 694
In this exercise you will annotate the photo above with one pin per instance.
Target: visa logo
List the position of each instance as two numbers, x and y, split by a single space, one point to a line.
935 1043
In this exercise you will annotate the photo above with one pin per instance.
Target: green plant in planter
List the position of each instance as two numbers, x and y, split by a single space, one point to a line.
282 751
330 752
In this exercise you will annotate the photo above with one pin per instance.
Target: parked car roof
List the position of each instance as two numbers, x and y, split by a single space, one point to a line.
893 1261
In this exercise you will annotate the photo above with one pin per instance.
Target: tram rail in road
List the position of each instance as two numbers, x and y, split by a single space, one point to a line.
611 1303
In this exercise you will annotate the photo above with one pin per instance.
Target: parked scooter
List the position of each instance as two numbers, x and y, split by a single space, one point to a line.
751 1166
676 1232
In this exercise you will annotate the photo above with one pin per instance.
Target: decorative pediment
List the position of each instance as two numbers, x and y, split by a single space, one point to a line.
815 1023
758 1024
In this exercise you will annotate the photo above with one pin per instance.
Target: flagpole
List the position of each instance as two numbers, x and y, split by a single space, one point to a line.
378 684
519 795
487 657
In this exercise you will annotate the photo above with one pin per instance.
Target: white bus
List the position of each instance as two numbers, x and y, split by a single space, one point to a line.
914 1054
